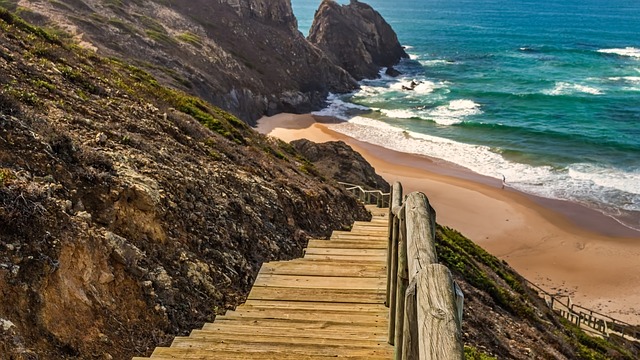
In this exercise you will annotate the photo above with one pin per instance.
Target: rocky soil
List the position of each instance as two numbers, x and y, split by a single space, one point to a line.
130 212
370 40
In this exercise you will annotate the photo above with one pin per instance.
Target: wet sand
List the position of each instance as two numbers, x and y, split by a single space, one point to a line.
560 246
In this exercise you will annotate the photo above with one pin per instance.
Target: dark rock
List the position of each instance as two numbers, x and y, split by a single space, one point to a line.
391 71
356 37
339 161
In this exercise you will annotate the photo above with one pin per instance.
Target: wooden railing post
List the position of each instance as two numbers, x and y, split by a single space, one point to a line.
410 329
439 327
402 283
396 205
387 302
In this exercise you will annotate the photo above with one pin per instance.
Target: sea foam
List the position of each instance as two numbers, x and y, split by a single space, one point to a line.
628 51
565 88
340 109
455 112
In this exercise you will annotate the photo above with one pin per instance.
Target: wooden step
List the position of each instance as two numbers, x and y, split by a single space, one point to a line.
316 305
321 267
368 296
320 282
188 349
347 251
348 244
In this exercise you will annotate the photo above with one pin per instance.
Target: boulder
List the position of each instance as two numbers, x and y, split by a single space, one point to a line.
356 37
339 161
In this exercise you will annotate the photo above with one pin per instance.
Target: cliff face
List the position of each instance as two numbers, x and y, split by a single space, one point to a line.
356 37
245 56
129 212
277 11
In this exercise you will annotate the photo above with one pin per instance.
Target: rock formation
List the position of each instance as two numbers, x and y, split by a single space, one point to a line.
339 161
246 56
356 37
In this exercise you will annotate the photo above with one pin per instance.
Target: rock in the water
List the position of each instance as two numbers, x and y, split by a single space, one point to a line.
339 161
356 37
391 71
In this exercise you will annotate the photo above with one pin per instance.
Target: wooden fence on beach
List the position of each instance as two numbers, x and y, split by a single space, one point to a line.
586 318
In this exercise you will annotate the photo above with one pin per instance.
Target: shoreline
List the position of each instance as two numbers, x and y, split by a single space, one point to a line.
561 246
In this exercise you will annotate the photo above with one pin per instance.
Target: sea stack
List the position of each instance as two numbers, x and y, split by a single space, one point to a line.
356 37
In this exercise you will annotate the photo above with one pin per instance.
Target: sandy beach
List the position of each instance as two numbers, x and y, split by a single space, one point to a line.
562 247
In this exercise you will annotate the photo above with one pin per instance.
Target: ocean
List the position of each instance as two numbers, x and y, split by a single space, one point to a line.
544 93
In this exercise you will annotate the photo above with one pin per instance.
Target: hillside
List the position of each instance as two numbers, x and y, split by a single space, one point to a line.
245 56
130 212
504 319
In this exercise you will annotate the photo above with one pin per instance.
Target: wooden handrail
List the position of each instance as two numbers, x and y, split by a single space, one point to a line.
425 305
377 197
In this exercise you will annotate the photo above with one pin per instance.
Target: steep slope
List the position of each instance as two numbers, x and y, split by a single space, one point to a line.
356 37
123 220
245 56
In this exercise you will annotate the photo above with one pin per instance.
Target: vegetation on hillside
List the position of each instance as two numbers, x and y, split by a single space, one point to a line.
505 318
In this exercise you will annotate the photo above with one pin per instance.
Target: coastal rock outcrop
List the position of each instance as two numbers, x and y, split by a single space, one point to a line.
340 162
356 37
245 56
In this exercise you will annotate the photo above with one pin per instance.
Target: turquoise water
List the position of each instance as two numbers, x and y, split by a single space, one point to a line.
546 93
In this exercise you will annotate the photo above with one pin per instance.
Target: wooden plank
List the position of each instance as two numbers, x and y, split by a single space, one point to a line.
358 234
276 354
346 251
316 305
439 330
280 325
301 349
347 243
361 332
324 268
349 258
327 295
282 338
319 282
346 317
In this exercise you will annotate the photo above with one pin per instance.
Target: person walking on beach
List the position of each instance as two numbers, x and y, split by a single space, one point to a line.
504 181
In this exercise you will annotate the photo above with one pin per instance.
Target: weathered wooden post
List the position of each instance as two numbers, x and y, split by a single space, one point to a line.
389 249
439 328
410 336
396 205
402 282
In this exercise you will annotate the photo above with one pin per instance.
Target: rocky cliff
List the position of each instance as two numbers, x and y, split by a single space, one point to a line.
131 212
340 162
356 37
245 56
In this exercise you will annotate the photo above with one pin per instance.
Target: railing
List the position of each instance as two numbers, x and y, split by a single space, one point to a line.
425 305
372 197
584 317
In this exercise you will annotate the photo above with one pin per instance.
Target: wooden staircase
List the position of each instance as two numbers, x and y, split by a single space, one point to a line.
327 305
